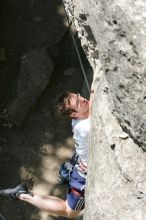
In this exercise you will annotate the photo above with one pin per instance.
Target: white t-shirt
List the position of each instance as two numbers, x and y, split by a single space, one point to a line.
81 130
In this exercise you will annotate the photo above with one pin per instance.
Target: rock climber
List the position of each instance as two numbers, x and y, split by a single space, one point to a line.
78 109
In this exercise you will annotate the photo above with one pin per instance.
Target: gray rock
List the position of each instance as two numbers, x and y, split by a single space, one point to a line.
35 71
113 35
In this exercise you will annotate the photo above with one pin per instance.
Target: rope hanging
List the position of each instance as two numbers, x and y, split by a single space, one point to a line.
76 48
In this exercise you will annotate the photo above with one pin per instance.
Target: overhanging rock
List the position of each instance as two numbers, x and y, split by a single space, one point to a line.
113 36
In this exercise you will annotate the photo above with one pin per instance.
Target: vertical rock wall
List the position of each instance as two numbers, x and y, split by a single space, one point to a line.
113 35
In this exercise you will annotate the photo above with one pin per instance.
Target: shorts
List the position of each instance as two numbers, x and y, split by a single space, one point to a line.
75 195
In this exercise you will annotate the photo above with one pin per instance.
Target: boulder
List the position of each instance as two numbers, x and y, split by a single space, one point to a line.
36 68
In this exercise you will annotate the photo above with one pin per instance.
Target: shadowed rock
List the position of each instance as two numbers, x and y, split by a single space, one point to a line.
35 71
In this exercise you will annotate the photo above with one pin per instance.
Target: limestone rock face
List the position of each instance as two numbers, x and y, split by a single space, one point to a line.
113 36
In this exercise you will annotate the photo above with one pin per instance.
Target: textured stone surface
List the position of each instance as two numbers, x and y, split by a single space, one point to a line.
35 71
113 35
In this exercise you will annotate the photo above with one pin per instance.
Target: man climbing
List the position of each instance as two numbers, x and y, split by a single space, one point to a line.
78 109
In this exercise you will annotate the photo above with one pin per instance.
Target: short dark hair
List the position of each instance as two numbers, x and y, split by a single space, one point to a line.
63 104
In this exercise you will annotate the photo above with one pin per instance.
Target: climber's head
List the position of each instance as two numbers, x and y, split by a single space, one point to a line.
73 105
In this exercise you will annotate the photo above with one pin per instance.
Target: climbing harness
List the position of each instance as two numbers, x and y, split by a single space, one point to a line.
64 173
76 48
77 192
67 168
